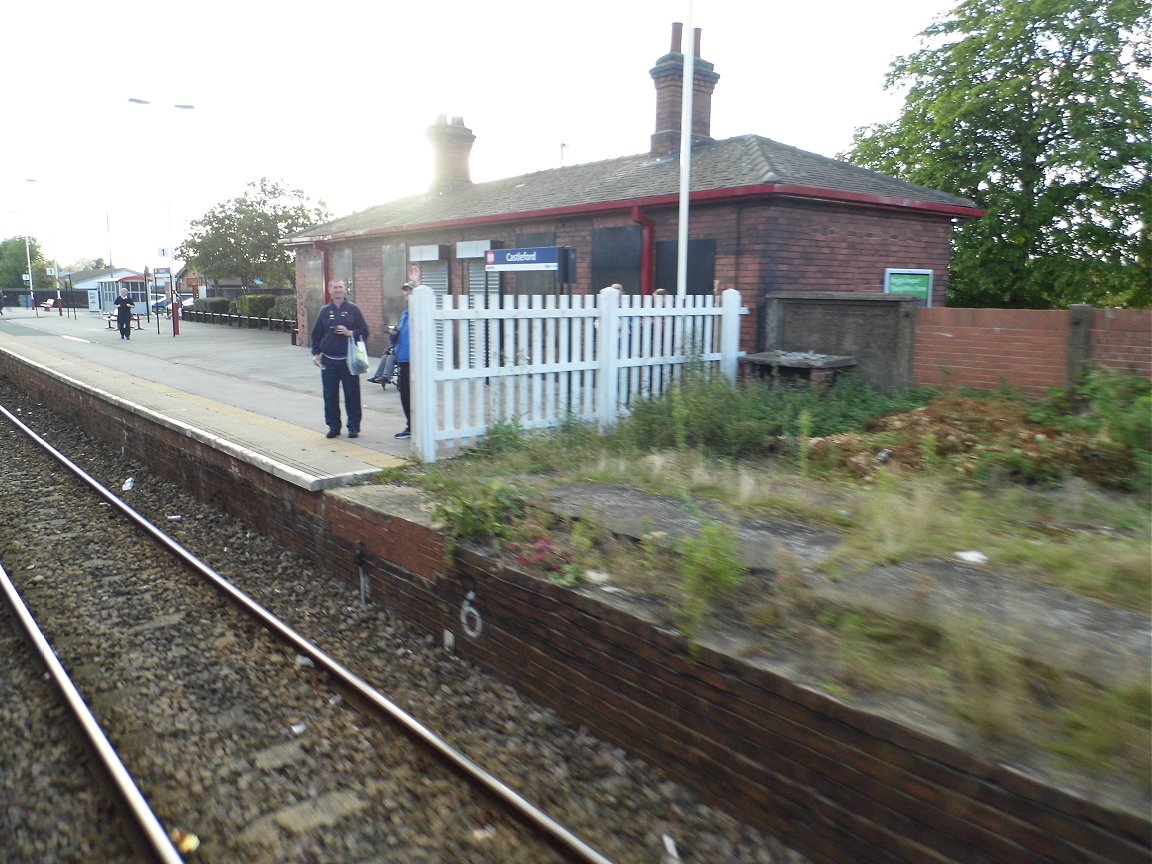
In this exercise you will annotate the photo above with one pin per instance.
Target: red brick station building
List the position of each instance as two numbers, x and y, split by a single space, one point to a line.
765 219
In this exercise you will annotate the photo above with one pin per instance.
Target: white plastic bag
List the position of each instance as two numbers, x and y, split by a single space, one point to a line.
357 356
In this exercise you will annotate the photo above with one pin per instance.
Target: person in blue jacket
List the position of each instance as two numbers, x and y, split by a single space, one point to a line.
403 353
335 322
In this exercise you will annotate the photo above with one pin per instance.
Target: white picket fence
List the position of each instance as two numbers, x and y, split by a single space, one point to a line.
540 360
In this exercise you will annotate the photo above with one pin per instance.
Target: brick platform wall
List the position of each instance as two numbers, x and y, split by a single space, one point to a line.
838 784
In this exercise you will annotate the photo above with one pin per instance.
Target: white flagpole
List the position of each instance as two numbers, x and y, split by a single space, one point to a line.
685 153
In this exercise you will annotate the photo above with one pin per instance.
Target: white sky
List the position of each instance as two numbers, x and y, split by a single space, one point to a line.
334 97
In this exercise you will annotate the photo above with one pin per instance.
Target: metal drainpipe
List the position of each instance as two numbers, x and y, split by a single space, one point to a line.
647 250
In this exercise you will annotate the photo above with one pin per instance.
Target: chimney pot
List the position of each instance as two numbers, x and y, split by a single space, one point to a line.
668 76
452 148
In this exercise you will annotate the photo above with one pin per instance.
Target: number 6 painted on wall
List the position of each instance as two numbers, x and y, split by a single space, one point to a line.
470 616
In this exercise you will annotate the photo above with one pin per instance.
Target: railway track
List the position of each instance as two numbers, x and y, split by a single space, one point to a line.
236 729
619 805
33 716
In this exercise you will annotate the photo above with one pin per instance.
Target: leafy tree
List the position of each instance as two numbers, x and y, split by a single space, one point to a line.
81 264
14 264
238 239
1040 111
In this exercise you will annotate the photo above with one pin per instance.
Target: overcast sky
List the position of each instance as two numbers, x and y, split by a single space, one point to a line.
333 98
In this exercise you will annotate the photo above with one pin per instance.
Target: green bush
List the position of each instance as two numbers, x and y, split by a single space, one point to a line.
218 305
1117 408
255 305
1124 405
753 417
285 307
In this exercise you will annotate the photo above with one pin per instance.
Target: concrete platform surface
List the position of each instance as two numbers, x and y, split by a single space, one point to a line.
250 387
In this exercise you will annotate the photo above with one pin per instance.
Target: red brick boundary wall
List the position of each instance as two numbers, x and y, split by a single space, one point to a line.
1122 339
1032 351
839 784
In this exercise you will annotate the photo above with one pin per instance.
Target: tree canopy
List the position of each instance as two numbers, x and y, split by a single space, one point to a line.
81 264
1040 111
238 239
14 264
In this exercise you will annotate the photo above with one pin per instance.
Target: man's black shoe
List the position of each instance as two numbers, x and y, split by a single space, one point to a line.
403 436
353 434
333 433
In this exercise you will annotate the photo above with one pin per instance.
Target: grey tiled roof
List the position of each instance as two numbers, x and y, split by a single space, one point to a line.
80 275
744 161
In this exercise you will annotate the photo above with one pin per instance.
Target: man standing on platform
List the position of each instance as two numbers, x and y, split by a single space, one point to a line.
336 321
124 309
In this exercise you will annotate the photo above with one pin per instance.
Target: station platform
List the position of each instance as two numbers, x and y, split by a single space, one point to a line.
251 389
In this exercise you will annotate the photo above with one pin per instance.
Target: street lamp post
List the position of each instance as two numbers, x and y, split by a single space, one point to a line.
28 259
174 297
31 286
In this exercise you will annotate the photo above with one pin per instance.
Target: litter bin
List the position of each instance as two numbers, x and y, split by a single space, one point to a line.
294 332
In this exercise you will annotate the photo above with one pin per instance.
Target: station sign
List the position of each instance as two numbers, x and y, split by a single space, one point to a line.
532 258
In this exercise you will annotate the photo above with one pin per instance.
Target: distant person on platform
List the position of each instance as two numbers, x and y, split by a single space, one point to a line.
124 308
334 324
403 353
1 302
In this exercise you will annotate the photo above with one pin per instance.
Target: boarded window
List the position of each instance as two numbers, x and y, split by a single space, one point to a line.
616 258
701 266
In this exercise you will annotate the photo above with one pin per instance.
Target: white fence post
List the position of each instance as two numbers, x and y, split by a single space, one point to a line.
607 356
422 344
729 333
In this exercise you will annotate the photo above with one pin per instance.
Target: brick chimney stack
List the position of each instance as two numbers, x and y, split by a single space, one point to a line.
452 147
668 75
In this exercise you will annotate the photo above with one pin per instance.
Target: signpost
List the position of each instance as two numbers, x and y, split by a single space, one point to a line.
173 297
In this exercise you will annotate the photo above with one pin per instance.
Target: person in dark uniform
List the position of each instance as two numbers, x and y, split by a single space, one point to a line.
124 308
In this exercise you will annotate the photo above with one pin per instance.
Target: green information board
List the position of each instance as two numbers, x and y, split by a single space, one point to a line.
916 282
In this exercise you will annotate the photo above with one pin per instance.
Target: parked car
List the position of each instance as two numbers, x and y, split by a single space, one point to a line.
160 307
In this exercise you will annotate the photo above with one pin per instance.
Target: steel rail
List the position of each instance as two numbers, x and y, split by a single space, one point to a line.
150 829
561 837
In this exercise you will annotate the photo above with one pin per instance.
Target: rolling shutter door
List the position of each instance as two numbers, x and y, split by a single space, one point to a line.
483 292
434 274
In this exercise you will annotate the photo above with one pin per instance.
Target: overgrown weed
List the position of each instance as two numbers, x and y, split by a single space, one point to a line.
921 483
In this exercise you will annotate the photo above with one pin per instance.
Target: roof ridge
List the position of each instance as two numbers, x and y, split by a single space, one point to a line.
740 162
